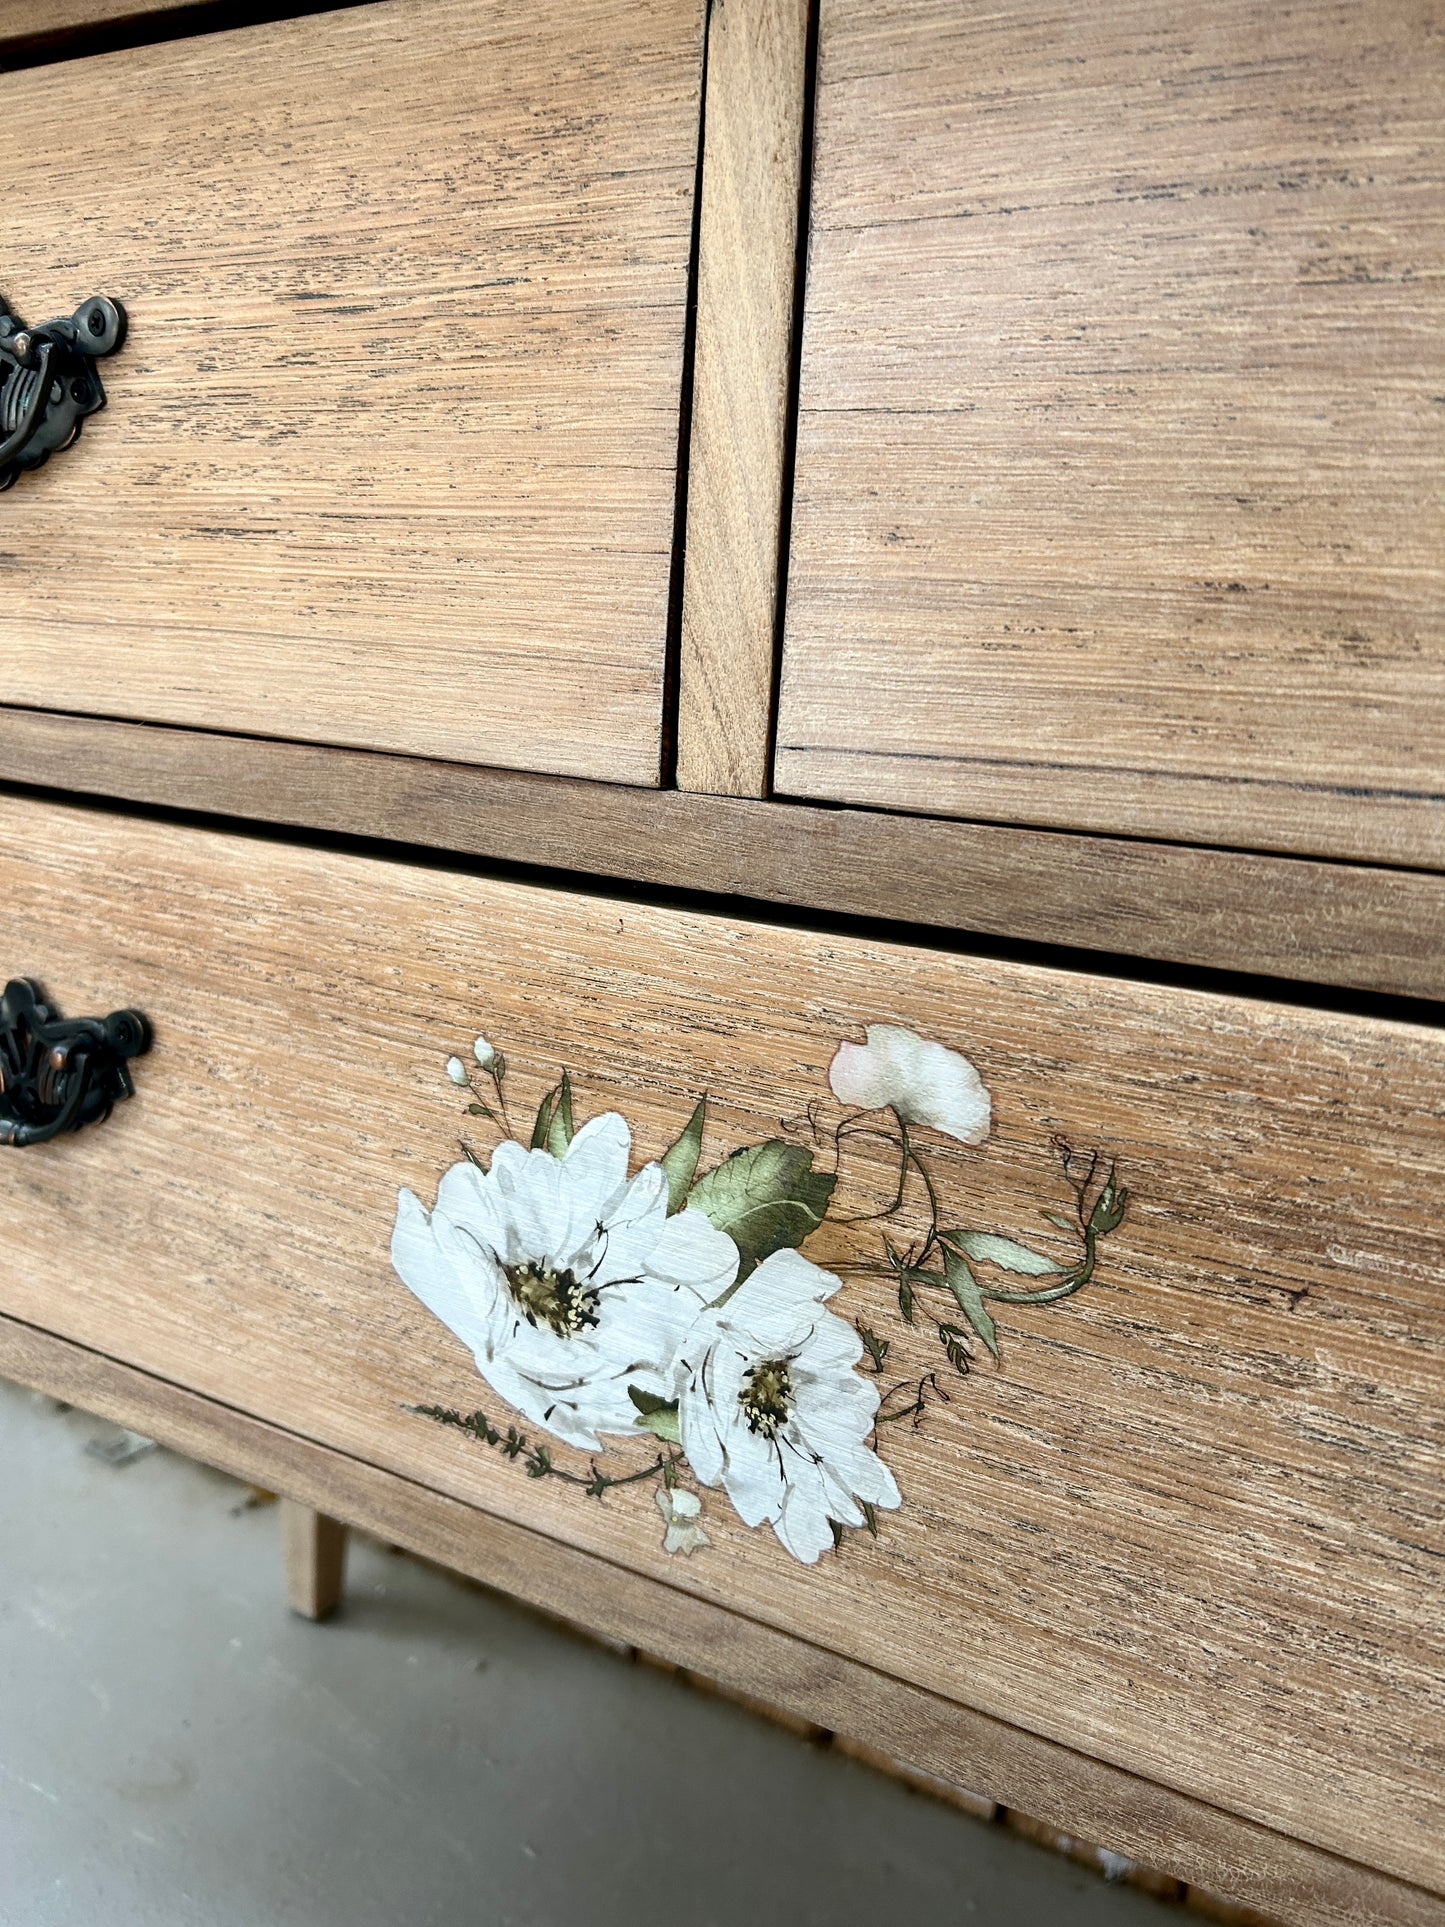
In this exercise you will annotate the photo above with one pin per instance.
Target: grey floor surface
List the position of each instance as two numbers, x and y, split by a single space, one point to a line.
176 1750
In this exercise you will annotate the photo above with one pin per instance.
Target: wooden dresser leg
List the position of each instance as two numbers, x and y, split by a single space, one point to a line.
313 1550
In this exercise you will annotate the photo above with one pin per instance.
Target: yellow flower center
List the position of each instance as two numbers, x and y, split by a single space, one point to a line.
767 1396
556 1299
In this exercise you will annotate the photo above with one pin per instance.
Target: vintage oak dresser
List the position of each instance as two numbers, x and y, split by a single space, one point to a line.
733 719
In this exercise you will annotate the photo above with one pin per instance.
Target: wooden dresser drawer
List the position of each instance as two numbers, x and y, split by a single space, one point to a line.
1119 482
1185 1521
390 454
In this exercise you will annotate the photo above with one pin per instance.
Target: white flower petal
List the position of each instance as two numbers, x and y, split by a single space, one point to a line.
596 1159
593 1192
802 1523
780 1302
836 1410
538 1216
700 1441
923 1081
467 1200
754 1476
873 1481
819 1465
630 1233
835 1349
685 1538
645 1320
691 1251
680 1508
562 1410
635 1284
425 1269
837 1502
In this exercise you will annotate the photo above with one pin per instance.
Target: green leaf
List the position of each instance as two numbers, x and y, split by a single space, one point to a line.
870 1517
876 1347
1064 1224
544 1121
965 1288
559 1131
658 1415
905 1296
649 1402
954 1340
680 1158
478 1110
1108 1208
984 1247
766 1197
664 1423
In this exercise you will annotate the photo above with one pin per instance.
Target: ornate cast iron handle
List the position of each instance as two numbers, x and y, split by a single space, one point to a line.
49 382
57 1074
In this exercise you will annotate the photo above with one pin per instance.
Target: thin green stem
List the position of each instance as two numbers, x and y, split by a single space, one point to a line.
918 1405
1075 1281
537 1459
922 1170
599 1480
872 1130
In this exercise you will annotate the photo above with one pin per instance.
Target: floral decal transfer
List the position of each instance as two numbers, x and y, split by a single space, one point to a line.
603 1304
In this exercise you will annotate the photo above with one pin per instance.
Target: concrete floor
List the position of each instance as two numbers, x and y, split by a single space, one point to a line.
177 1750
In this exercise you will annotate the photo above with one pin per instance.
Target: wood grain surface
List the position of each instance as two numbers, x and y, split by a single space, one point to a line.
747 260
1190 1527
1299 1884
1119 484
1329 923
391 451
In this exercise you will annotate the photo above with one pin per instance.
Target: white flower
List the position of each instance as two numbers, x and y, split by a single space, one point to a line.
483 1052
457 1071
922 1081
680 1509
568 1281
771 1407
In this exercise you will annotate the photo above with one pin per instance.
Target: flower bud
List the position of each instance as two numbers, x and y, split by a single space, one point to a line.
457 1070
483 1052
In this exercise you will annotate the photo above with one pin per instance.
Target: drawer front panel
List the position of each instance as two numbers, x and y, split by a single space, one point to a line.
1118 498
390 451
1187 1521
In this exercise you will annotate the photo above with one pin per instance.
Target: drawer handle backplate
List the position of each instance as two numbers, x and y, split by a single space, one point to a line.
57 1074
49 381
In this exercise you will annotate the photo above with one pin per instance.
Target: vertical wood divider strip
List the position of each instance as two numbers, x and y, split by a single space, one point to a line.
747 258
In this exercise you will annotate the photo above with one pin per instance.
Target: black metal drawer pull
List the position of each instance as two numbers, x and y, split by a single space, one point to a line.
49 381
57 1074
